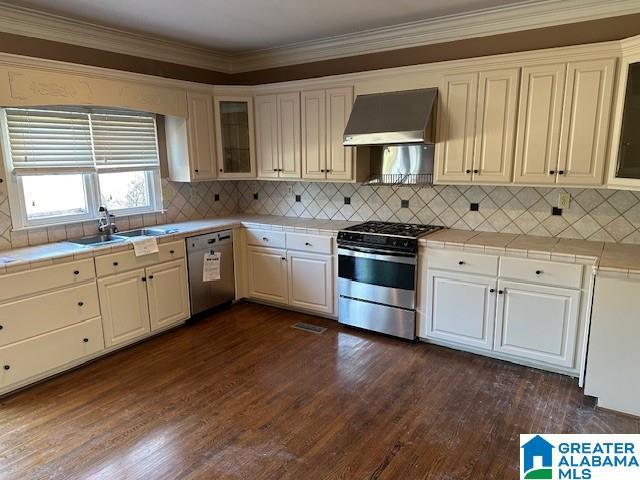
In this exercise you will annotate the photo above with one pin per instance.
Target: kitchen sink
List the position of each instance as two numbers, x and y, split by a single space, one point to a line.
94 240
147 232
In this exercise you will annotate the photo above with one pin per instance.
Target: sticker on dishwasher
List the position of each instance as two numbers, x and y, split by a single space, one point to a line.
211 268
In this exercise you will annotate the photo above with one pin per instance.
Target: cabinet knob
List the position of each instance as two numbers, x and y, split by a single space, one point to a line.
1 327
80 304
7 367
144 279
468 171
476 171
85 340
552 172
461 262
539 272
307 244
275 169
150 277
221 170
196 170
265 239
172 252
500 292
115 264
560 172
283 258
493 290
76 272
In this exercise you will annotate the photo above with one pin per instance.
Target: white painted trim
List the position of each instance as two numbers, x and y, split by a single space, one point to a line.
485 22
33 23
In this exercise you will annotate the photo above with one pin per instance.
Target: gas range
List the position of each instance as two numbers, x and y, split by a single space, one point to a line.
377 267
401 237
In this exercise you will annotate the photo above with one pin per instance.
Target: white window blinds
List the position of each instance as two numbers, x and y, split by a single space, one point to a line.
62 141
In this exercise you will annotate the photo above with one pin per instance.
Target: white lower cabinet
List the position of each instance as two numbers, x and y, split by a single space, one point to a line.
509 313
461 308
39 355
300 275
537 322
143 300
310 281
123 302
168 294
267 274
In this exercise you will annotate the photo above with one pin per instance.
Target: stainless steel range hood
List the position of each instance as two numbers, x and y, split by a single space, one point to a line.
392 118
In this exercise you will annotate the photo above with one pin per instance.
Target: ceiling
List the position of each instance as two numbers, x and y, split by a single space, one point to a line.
248 25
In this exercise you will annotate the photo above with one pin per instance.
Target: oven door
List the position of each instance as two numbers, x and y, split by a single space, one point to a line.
388 278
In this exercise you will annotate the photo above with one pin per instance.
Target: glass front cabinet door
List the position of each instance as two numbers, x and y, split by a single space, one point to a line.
234 131
628 160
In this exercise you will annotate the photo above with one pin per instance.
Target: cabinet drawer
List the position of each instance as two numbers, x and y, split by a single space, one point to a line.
460 261
125 261
46 278
567 275
33 316
265 238
309 243
38 355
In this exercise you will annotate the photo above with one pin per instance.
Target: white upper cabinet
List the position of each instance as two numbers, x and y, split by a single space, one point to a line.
325 114
585 128
456 128
539 121
495 127
234 130
191 148
339 158
267 135
477 127
289 135
314 139
563 125
278 133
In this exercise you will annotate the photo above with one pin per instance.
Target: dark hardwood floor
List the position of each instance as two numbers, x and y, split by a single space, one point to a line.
242 395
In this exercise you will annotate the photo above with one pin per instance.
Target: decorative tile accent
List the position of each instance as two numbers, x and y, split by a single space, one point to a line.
594 214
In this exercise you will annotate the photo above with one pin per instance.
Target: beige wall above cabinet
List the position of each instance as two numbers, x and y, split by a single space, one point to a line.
563 123
477 127
191 149
278 133
235 138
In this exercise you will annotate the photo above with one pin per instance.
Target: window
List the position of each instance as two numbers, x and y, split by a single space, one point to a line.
66 163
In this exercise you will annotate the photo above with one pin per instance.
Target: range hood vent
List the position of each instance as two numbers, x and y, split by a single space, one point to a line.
393 118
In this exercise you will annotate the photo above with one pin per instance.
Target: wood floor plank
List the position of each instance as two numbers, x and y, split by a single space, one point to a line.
242 395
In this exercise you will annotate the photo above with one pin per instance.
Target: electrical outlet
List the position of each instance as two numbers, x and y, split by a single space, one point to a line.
564 200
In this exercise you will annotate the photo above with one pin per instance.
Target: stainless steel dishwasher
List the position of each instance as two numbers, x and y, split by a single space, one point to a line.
206 295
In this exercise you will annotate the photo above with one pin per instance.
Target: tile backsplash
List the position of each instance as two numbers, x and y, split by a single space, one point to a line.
594 214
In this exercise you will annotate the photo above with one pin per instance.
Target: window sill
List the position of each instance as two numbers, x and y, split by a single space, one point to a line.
78 222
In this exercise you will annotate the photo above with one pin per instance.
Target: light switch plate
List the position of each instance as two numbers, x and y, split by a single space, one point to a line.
564 200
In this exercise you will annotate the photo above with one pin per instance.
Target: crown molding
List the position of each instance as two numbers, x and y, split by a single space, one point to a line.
479 23
47 26
490 21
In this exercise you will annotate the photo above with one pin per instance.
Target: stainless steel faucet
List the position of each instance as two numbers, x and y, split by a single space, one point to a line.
107 222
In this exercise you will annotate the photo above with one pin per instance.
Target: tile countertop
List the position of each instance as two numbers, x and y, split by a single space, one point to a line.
607 257
19 259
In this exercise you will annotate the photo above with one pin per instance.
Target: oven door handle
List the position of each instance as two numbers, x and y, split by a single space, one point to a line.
374 254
